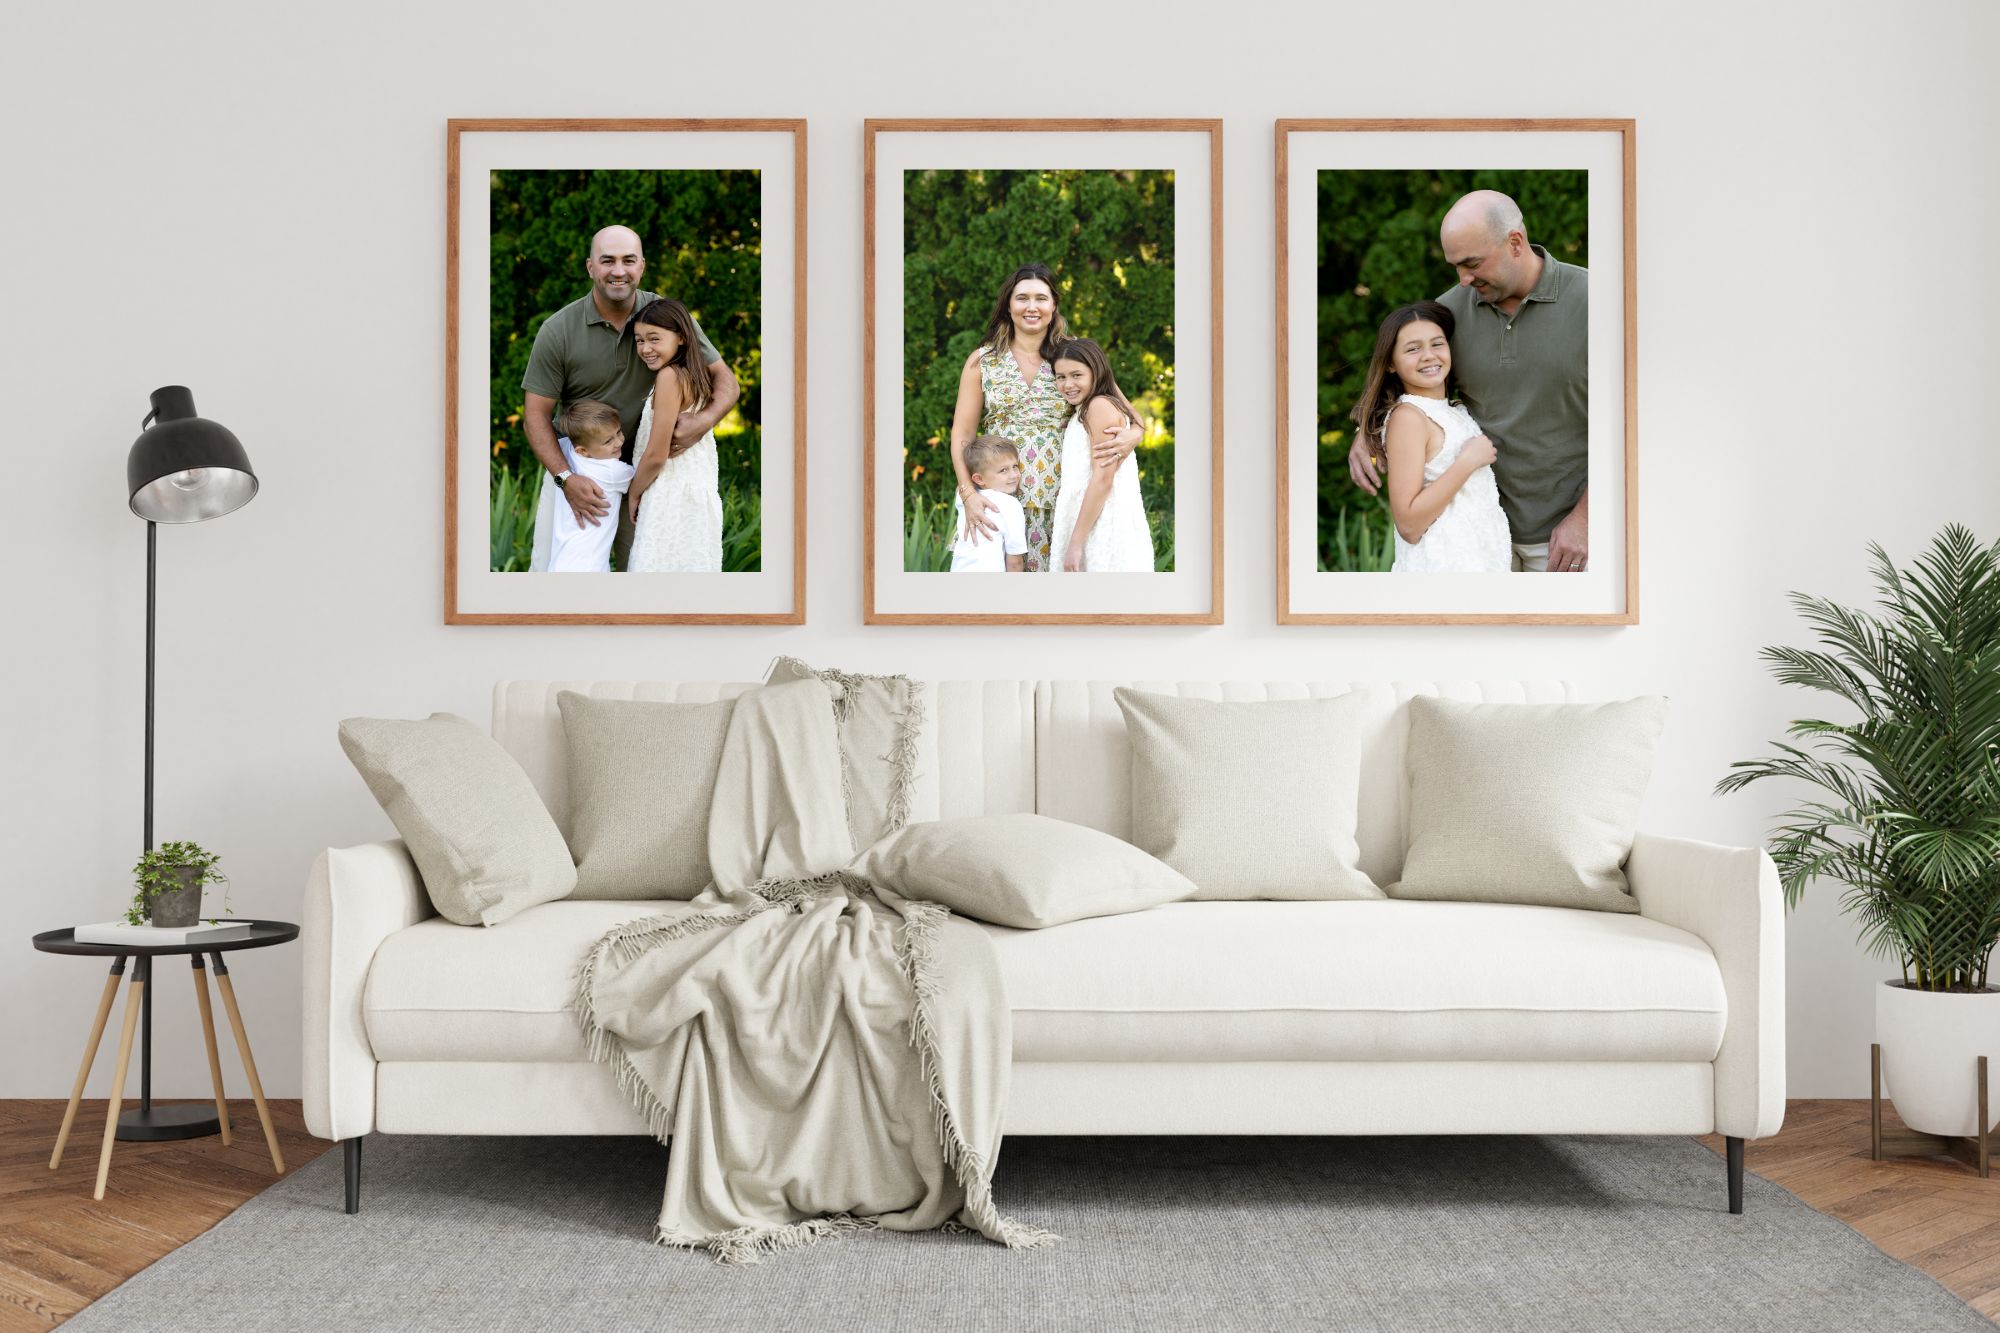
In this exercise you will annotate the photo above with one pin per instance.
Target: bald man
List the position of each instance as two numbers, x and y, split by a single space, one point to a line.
1520 355
584 350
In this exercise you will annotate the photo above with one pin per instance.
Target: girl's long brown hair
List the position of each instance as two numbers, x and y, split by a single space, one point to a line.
667 313
1384 386
999 334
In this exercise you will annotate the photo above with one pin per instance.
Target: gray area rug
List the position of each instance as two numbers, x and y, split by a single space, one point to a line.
1426 1234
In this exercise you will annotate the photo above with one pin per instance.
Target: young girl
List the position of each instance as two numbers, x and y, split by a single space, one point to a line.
1441 488
1100 518
676 498
591 429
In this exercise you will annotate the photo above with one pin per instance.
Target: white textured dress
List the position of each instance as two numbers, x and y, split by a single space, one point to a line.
1471 535
1120 542
679 528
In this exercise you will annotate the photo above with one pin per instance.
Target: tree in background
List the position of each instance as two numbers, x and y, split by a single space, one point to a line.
1109 236
1378 249
703 246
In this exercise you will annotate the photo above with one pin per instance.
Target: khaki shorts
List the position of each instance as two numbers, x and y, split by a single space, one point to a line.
1531 557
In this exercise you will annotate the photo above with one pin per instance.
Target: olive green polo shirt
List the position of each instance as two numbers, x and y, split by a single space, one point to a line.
579 354
1524 379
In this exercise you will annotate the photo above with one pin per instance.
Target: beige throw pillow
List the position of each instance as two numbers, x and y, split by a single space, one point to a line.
641 776
1027 871
1249 800
476 827
1527 803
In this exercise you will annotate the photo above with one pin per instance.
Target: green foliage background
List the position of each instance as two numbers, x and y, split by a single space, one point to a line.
1109 236
703 246
1378 249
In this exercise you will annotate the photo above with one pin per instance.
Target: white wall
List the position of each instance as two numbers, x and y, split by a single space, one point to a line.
251 202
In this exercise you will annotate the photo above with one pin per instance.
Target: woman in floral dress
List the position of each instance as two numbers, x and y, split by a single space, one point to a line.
1008 388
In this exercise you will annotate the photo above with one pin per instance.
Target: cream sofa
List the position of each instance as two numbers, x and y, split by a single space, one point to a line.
1382 1017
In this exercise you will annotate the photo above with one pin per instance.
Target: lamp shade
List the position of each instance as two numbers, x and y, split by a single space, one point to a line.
183 469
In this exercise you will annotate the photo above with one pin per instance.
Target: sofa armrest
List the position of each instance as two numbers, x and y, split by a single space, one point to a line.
356 897
1730 897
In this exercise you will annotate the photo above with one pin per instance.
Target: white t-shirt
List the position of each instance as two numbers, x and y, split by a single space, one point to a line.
579 548
989 555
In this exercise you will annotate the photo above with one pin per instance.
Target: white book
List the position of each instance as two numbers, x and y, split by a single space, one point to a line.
121 932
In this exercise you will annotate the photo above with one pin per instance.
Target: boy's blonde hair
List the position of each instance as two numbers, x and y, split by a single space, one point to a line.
587 422
987 450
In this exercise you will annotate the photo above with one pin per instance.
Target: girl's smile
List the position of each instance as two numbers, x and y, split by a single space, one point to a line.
1072 381
1422 359
656 345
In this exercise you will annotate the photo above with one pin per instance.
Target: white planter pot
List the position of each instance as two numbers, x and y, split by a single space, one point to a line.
1931 1043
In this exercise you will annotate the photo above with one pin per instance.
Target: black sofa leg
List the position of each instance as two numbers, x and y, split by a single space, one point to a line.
1735 1148
351 1152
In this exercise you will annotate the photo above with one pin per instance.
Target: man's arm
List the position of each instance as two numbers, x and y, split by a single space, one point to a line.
586 497
1569 543
722 395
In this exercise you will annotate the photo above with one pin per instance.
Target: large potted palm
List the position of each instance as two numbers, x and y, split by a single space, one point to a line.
1908 815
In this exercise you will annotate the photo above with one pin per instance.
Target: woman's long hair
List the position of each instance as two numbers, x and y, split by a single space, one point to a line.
1103 384
1384 386
667 313
999 334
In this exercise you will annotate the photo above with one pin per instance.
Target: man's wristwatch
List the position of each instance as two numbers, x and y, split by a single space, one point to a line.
562 479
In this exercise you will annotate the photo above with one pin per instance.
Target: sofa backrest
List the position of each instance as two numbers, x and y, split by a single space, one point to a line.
1053 747
1083 763
977 757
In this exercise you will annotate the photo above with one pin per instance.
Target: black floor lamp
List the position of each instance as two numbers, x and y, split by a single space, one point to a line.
182 469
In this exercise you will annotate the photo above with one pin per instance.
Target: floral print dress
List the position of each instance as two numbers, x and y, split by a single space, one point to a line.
1032 416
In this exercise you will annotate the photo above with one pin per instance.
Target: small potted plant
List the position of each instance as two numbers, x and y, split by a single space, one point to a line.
170 879
1909 816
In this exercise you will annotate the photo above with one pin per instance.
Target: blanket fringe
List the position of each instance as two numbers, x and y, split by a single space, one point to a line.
749 1245
922 921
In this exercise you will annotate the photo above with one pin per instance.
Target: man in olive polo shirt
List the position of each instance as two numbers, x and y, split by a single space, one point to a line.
1520 355
585 350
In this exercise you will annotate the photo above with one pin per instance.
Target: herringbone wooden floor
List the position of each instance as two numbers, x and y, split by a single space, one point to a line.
60 1250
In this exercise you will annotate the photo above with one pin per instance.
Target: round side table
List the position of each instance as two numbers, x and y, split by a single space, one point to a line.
148 1122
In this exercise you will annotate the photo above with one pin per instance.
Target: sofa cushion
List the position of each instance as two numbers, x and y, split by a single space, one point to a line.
1527 803
641 776
1198 981
1381 980
480 836
1249 800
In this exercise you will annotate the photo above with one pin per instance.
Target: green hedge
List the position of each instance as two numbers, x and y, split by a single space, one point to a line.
1378 249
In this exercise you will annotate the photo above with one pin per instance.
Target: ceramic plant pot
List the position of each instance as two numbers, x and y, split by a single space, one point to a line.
1931 1044
181 907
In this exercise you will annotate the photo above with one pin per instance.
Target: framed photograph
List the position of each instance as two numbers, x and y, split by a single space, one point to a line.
625 363
1043 372
1457 372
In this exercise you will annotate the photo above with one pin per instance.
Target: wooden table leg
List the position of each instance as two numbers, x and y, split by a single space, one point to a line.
134 996
208 1037
89 1057
249 1064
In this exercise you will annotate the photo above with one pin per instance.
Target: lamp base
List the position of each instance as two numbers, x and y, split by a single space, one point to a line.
168 1122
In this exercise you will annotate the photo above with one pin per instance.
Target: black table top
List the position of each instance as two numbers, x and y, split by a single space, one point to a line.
261 933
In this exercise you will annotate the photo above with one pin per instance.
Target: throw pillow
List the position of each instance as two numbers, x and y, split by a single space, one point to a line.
1027 871
476 827
641 776
1527 803
1249 800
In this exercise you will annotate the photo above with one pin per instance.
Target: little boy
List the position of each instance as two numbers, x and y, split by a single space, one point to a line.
995 465
593 440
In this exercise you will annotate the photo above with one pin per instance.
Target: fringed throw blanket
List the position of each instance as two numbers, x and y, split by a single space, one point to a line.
824 1054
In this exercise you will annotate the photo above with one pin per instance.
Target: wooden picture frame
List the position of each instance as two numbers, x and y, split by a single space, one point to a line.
1602 151
763 159
1188 152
